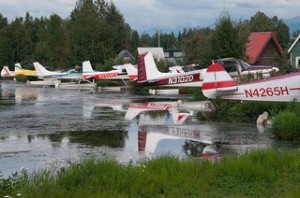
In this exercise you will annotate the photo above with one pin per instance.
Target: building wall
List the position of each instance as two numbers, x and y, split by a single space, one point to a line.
269 56
295 56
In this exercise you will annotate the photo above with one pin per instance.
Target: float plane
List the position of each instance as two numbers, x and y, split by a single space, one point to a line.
218 83
132 71
43 73
149 75
90 74
19 71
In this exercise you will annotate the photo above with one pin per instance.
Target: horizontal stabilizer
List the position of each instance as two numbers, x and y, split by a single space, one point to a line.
131 72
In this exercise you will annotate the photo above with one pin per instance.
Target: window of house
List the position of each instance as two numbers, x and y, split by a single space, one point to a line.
297 62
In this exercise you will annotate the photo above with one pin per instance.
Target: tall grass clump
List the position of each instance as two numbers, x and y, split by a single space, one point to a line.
245 111
286 124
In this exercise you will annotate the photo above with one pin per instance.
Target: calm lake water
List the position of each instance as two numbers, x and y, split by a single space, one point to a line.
49 128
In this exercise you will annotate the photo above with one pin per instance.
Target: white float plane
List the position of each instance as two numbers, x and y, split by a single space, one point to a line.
43 73
218 83
90 74
149 75
132 71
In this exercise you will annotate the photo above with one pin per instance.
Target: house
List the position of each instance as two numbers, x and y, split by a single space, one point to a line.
173 55
294 52
263 48
124 57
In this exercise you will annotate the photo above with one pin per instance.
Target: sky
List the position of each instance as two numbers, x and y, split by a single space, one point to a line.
164 15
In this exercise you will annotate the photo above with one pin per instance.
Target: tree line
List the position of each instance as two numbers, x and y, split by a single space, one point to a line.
97 31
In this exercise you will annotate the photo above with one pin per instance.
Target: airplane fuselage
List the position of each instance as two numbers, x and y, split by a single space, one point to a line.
281 88
184 80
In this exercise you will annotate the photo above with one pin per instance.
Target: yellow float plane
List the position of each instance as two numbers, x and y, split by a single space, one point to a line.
19 71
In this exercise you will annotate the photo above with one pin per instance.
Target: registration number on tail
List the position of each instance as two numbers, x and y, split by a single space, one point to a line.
181 79
267 92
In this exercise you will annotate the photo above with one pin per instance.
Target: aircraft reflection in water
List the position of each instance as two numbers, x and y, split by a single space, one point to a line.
160 133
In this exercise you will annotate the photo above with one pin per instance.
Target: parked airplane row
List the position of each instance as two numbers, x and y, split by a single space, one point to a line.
87 73
219 80
216 82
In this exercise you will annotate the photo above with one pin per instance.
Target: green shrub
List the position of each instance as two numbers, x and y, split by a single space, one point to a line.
286 126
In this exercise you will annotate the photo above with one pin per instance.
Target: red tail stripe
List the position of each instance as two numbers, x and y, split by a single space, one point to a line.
7 71
132 77
215 67
220 84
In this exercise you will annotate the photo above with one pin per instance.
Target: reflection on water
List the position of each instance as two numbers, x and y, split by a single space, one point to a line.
47 127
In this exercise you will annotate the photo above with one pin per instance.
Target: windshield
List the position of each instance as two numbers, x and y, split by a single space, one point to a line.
244 65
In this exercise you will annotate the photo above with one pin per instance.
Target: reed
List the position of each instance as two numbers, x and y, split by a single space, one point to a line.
263 173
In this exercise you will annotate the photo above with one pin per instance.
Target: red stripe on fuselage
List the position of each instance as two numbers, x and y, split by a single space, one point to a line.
219 84
293 89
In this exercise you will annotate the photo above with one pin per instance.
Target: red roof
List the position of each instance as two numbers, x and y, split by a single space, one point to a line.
257 41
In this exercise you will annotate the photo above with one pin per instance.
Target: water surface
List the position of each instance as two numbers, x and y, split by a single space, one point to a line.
50 128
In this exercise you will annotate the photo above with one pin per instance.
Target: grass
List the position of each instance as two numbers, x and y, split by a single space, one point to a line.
264 173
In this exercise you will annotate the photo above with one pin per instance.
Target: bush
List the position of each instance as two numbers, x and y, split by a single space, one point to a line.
286 126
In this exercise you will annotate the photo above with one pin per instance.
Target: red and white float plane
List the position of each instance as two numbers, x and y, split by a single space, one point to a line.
132 71
217 83
149 75
90 74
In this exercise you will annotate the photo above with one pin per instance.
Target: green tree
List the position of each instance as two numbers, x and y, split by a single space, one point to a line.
119 30
4 41
169 41
262 23
6 53
57 42
86 30
135 42
147 41
197 48
28 49
225 41
281 31
3 21
42 50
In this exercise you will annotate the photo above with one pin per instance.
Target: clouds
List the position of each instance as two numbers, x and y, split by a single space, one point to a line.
18 8
150 15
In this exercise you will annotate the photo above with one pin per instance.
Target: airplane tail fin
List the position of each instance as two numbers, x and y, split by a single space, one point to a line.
132 72
216 79
179 117
18 67
87 67
147 69
41 71
5 72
